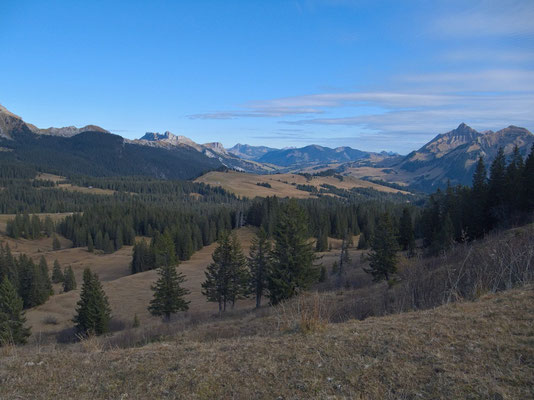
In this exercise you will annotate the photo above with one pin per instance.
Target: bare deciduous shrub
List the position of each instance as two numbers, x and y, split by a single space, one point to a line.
500 261
306 313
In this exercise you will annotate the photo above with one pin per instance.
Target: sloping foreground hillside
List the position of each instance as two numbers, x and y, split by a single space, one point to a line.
471 350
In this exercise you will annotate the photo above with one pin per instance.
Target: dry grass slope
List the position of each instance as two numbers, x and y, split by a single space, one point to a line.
471 350
128 294
243 184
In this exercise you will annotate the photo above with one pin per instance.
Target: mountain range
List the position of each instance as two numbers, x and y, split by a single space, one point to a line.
91 150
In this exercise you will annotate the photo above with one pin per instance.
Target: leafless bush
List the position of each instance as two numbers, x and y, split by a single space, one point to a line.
500 261
306 313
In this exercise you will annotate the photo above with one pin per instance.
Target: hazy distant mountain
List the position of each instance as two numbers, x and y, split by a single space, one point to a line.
312 154
453 155
95 152
249 152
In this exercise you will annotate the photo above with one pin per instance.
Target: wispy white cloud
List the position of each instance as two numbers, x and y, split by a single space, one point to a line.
487 18
420 107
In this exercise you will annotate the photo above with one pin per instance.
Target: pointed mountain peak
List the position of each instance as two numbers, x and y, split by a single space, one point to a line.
463 128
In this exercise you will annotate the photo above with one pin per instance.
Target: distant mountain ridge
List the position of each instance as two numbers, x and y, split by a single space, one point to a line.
94 151
313 154
448 157
214 150
452 156
248 152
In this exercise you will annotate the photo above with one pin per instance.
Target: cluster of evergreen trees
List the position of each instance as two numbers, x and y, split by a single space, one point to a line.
31 281
188 233
462 213
278 270
30 227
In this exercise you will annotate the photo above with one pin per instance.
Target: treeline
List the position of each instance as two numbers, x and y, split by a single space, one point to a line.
109 227
30 227
152 186
331 217
464 213
188 232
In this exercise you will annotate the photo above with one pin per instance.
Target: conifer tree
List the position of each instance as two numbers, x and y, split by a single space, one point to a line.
55 243
57 274
362 242
12 320
497 187
259 264
92 312
479 201
383 255
99 241
527 192
44 279
293 256
49 226
406 232
322 274
168 293
70 281
322 240
226 277
90 244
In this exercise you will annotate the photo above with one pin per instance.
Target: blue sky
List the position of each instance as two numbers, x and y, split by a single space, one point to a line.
374 75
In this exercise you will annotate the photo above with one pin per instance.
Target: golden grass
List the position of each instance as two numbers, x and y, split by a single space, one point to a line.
479 350
244 184
73 188
128 294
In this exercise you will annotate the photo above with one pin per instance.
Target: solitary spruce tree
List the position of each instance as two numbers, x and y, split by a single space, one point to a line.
260 264
383 255
168 293
57 274
12 330
55 243
406 233
93 312
293 255
69 282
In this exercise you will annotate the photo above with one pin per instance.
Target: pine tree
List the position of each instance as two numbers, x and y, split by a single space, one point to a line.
136 322
92 312
99 241
55 243
497 188
70 281
293 256
322 274
362 242
259 264
383 255
168 293
322 241
44 279
406 232
527 192
57 274
226 277
479 201
49 226
12 330
90 245
444 238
